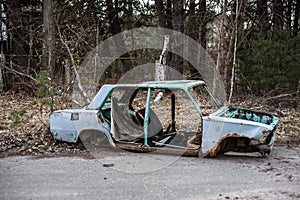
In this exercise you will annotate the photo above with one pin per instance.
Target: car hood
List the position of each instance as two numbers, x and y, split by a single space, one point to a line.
245 116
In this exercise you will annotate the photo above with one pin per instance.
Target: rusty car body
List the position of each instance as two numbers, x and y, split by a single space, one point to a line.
167 116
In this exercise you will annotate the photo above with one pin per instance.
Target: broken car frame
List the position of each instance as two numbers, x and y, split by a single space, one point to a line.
166 116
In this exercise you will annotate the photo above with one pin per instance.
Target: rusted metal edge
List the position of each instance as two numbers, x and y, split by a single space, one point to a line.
166 150
212 152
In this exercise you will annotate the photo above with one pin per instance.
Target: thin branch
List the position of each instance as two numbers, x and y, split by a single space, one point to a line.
19 73
83 93
280 96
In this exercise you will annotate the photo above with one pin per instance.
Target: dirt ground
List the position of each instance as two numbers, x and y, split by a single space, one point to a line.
24 126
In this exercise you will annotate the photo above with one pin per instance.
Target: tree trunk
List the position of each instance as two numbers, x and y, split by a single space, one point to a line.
169 15
159 9
178 15
67 73
289 15
115 28
49 38
192 31
113 18
18 42
2 64
177 60
192 27
296 19
161 17
262 14
220 57
277 14
203 28
234 64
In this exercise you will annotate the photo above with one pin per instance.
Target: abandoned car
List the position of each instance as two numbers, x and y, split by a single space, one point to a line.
167 116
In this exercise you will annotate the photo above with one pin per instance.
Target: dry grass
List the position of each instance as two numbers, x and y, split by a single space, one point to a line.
24 126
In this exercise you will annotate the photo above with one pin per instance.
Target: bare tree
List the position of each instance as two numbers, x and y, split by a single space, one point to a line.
234 64
115 28
289 15
220 57
262 14
18 41
177 60
277 14
203 17
297 17
169 12
192 27
159 8
49 39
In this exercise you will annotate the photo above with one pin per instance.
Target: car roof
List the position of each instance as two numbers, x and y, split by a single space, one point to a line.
170 84
180 84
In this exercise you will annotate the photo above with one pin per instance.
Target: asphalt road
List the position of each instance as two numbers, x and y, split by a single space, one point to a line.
148 176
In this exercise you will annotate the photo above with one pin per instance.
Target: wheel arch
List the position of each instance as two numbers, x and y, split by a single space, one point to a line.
104 133
230 142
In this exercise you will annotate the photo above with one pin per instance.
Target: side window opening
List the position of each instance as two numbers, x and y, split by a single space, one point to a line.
173 119
178 116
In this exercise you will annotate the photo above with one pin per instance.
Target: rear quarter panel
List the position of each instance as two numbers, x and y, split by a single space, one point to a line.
67 128
62 127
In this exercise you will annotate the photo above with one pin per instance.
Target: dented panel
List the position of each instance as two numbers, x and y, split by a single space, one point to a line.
66 125
257 127
62 127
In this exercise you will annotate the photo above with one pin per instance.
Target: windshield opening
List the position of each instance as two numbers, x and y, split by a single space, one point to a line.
204 99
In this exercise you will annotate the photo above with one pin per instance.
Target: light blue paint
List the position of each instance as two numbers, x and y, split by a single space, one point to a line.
146 120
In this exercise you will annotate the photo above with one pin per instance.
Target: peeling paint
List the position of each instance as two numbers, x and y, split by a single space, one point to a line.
227 129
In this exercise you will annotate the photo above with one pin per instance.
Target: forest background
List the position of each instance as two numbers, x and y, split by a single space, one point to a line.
255 45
